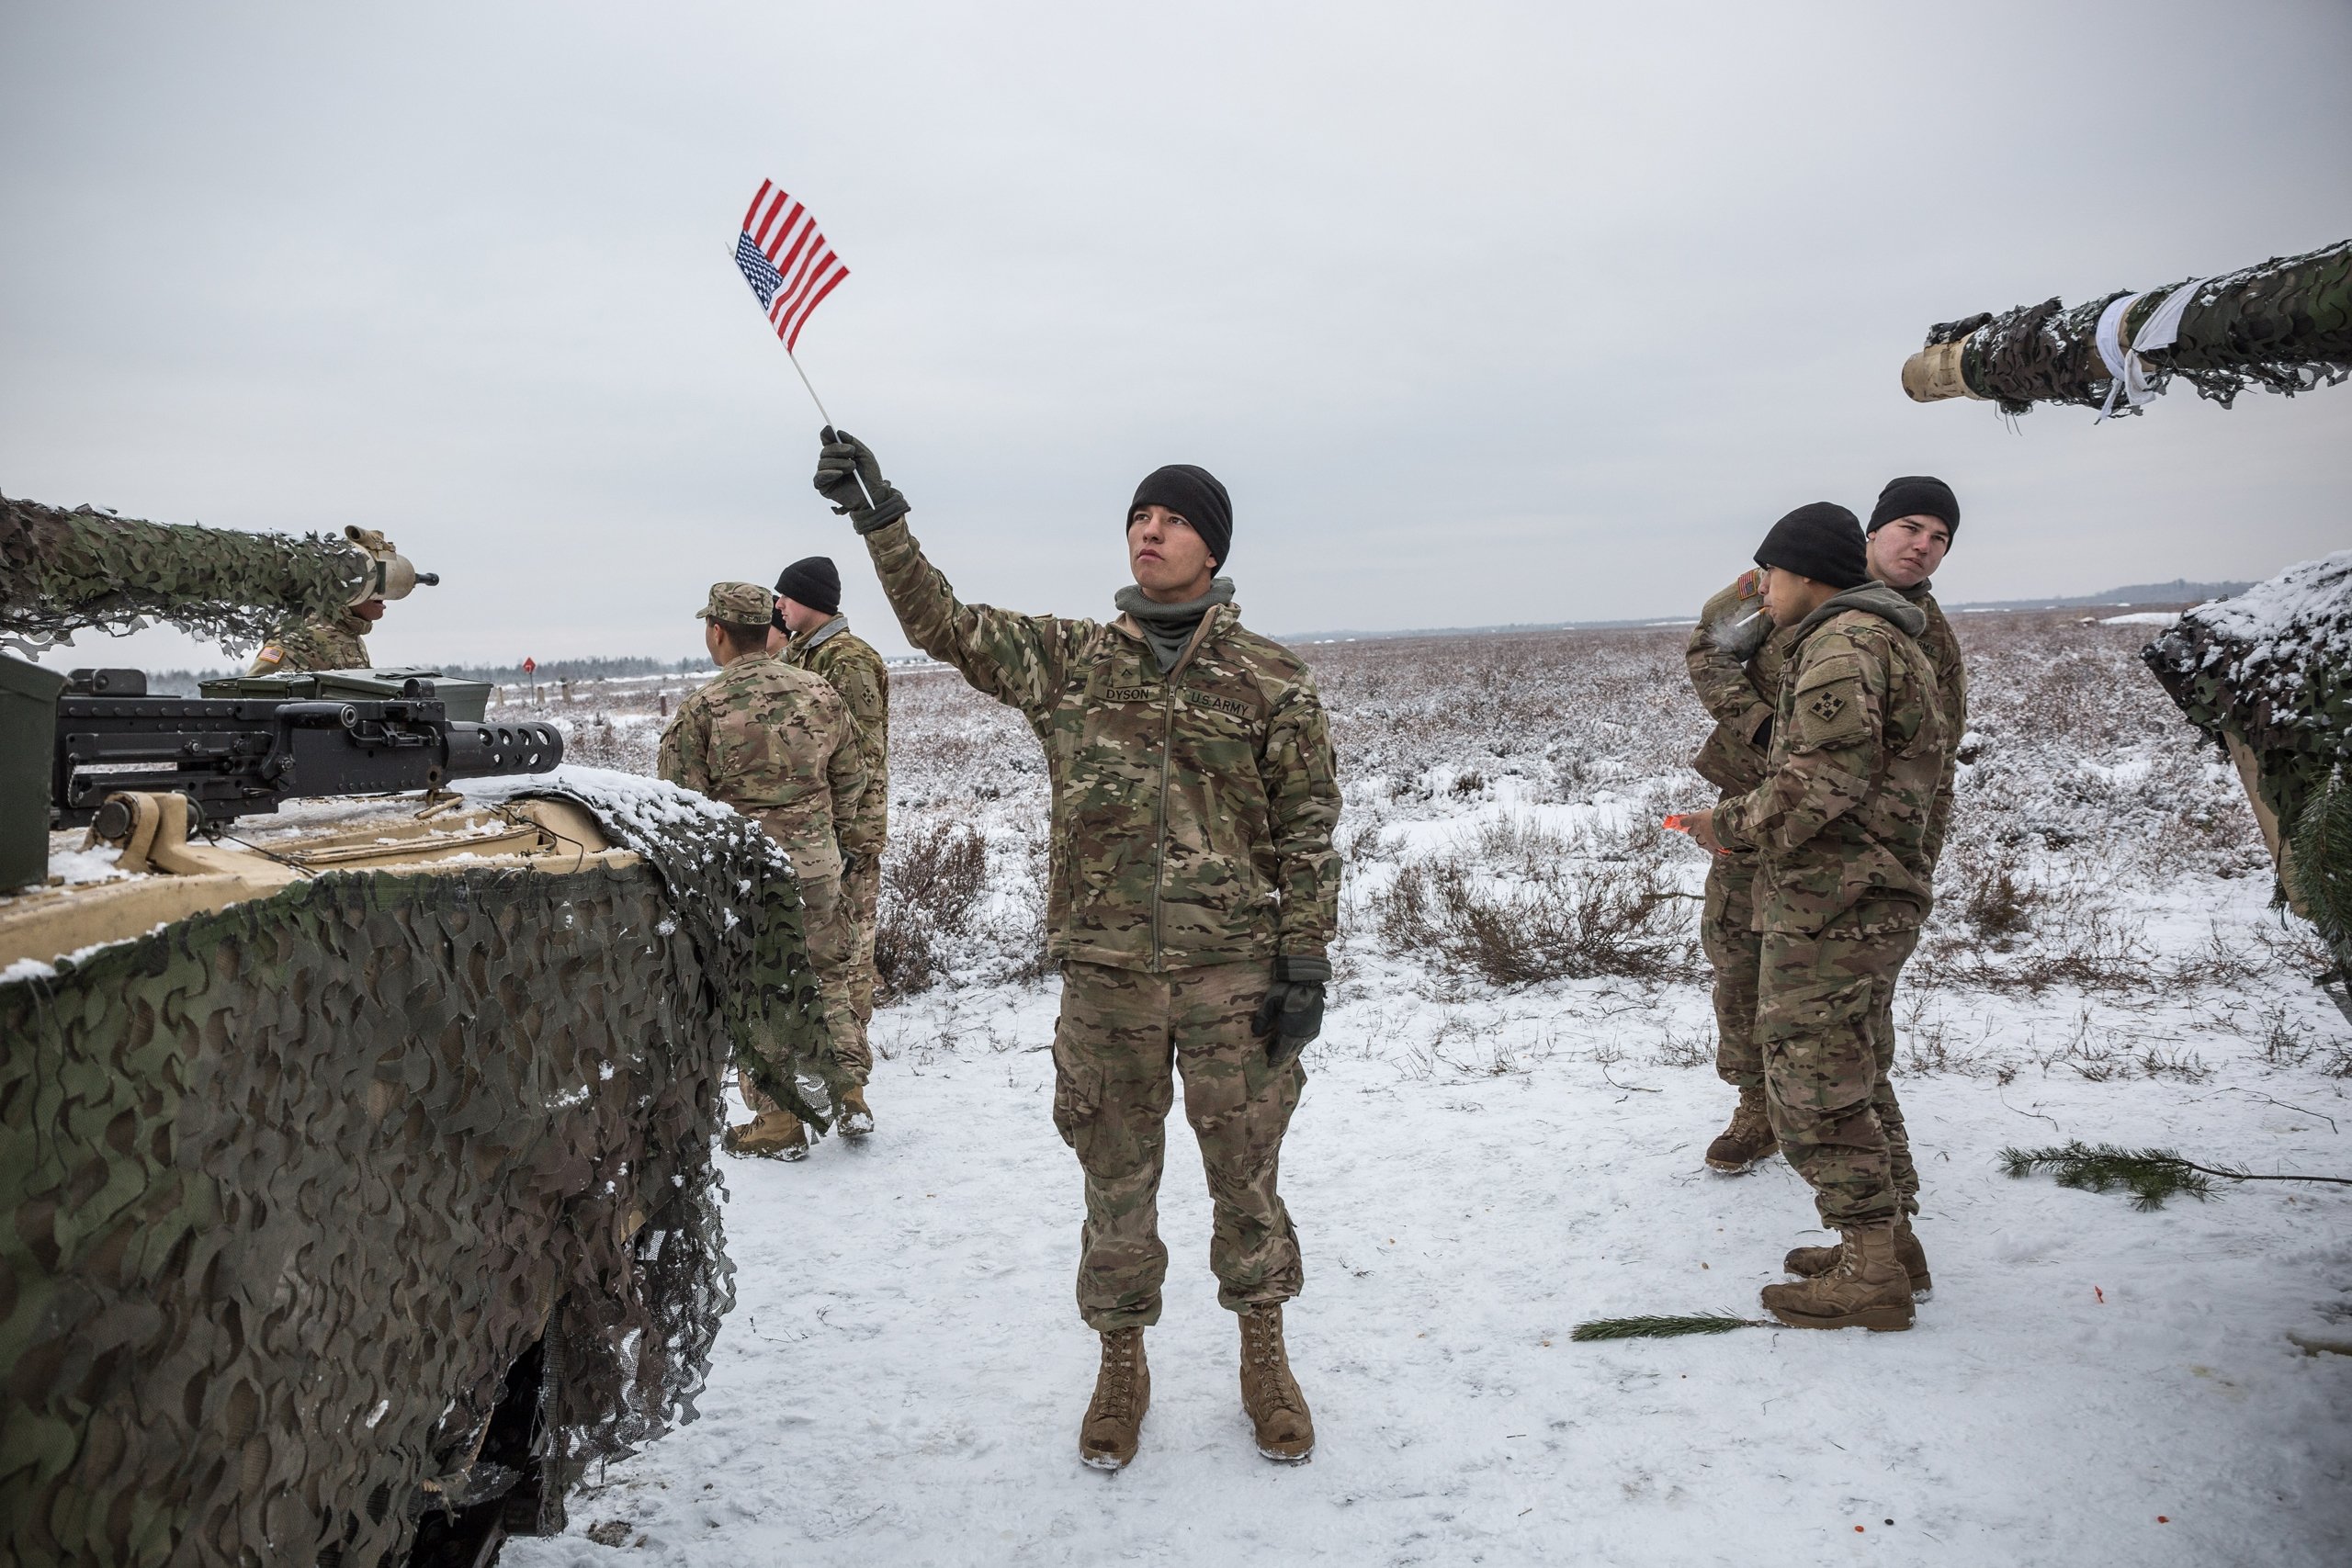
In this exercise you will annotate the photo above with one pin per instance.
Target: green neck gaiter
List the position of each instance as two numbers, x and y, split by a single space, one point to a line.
1169 628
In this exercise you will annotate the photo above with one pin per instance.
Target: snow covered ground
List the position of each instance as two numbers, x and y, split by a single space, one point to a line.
902 1376
1478 1167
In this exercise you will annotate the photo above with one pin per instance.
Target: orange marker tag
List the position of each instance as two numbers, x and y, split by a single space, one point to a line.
1680 822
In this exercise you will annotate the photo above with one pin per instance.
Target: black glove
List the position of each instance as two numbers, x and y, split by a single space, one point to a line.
1292 1013
850 476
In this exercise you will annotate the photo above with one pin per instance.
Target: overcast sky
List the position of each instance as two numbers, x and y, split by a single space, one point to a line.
1484 312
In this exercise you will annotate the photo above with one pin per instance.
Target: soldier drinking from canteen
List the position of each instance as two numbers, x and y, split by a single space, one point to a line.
1192 897
810 633
776 744
1839 825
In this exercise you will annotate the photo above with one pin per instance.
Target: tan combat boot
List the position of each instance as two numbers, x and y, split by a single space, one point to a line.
1113 1426
857 1120
772 1135
1867 1289
1812 1262
1748 1138
1269 1394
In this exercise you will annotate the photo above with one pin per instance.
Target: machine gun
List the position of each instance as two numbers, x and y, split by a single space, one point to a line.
246 756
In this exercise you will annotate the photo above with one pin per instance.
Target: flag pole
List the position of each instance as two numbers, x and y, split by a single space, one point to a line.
812 391
828 418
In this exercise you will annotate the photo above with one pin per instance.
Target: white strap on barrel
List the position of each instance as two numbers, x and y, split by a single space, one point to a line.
2127 374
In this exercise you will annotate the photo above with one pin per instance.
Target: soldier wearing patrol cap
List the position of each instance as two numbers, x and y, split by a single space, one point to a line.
776 744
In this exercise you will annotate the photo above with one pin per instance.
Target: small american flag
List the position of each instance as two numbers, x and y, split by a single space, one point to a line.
787 262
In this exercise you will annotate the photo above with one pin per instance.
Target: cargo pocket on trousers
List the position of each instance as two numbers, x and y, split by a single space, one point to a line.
1078 1097
1817 1043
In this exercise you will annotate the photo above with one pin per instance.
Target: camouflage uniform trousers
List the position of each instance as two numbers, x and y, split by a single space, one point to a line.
845 1061
862 892
1825 1025
1736 955
1121 1033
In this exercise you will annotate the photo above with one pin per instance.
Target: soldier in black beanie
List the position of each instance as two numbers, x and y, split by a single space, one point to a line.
1840 885
1191 897
1917 495
1821 540
1193 493
810 633
1910 529
815 581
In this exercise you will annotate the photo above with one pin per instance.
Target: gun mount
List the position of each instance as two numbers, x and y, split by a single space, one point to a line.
238 757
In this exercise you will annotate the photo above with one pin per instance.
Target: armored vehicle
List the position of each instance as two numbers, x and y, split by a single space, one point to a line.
360 1072
2267 675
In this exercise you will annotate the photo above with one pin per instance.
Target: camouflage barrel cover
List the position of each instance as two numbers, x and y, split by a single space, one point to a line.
291 1186
62 570
2284 324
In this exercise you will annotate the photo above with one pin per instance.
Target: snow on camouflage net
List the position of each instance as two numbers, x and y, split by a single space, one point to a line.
61 572
2283 324
726 875
294 1184
2273 666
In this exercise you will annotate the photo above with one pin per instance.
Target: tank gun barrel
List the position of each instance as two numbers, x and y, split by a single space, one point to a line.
61 572
2284 324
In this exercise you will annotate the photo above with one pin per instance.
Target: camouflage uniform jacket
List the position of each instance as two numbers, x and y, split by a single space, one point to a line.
1858 751
1942 650
1191 811
852 669
1736 670
338 644
775 743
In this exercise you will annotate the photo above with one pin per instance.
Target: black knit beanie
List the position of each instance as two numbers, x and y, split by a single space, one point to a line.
1193 493
1823 541
1915 495
813 582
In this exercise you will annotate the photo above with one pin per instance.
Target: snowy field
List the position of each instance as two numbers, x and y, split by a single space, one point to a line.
1501 1138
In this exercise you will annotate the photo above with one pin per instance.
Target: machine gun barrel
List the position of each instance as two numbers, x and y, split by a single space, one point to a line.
248 756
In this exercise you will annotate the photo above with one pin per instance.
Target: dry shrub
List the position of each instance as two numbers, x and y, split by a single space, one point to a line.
1676 1049
2076 942
595 741
1519 906
933 879
1996 901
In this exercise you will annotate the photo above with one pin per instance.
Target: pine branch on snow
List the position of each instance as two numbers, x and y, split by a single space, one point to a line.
1663 1327
2151 1175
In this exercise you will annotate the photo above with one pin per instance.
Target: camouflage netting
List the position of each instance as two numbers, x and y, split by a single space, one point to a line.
291 1188
2322 864
2285 325
2273 668
725 874
61 572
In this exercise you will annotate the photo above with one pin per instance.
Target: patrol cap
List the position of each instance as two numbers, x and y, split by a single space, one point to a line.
738 604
